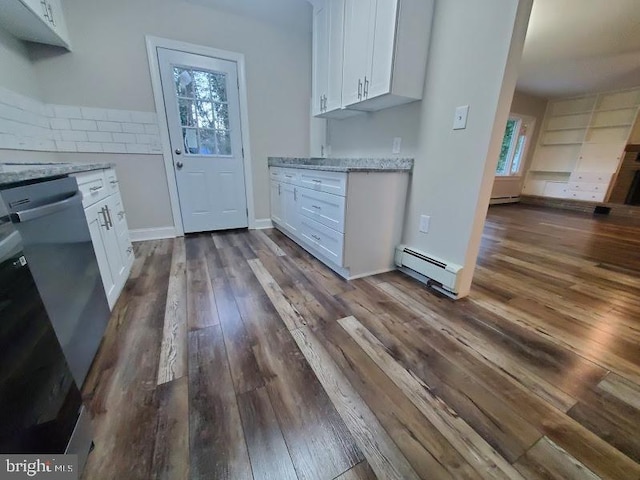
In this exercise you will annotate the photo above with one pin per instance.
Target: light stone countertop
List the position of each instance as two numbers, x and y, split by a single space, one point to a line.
13 173
345 164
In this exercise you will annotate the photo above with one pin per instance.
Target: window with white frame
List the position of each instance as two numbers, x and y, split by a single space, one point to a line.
514 146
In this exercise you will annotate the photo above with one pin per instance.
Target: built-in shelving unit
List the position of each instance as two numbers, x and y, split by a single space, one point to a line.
582 135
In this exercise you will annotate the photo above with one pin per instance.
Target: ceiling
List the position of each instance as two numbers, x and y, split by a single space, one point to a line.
291 14
581 46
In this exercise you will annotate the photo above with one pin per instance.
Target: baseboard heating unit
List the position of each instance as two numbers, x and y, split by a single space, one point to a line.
435 273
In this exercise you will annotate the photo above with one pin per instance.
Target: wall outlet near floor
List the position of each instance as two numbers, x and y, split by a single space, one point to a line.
397 143
425 220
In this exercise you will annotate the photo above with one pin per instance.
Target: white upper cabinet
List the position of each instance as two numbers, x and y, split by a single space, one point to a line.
328 51
380 50
40 21
320 58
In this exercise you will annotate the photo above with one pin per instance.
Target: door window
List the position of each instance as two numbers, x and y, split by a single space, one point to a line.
203 111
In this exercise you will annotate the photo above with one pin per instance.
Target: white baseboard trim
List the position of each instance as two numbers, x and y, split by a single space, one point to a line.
142 234
262 223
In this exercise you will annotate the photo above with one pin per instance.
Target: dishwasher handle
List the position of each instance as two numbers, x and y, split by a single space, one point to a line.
47 209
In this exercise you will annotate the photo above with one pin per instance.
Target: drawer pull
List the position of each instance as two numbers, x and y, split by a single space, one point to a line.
316 207
288 176
315 237
94 189
121 214
113 182
316 180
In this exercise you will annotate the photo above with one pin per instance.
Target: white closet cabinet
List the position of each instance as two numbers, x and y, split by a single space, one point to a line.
40 21
385 52
108 227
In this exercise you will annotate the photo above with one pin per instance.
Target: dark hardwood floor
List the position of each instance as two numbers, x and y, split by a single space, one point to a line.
237 355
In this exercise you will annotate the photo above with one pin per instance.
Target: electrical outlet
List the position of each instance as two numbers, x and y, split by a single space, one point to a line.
397 143
425 220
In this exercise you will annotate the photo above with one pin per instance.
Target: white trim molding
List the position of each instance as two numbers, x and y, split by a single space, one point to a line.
142 234
261 224
153 43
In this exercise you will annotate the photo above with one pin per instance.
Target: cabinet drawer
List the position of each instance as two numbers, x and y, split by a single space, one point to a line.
325 208
590 177
329 182
587 196
111 180
588 187
275 173
326 241
93 187
280 174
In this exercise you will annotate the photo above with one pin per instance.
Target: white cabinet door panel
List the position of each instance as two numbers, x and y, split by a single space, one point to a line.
385 18
357 50
323 207
276 202
320 57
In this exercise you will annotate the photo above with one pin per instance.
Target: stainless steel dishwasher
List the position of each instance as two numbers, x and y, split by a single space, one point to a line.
56 242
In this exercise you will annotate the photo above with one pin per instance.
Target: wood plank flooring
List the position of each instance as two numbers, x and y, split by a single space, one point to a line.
237 355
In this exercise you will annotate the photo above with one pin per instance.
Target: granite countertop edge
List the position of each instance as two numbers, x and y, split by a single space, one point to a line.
345 164
48 171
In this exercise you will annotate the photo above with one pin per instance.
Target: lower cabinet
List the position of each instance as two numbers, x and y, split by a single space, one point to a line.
350 221
109 231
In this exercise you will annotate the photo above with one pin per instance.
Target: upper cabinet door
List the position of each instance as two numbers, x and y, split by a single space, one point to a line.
357 50
40 21
382 45
320 58
336 55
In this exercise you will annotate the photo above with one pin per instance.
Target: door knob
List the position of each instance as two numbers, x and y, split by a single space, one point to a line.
178 151
179 165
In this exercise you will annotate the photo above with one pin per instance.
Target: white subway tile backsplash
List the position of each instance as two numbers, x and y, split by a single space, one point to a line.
87 125
74 136
133 127
124 137
119 115
60 124
66 146
93 113
67 111
99 136
28 124
137 148
89 147
114 147
109 126
144 117
152 129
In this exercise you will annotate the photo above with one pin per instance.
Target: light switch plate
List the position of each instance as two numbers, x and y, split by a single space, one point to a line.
460 119
397 143
425 220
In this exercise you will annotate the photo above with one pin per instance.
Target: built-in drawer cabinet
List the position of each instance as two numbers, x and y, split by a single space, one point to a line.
329 182
588 187
590 177
587 196
325 208
327 241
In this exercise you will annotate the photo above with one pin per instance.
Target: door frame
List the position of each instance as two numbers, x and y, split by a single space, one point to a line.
153 43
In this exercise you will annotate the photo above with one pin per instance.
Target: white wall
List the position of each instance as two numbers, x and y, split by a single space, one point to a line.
474 52
108 68
16 70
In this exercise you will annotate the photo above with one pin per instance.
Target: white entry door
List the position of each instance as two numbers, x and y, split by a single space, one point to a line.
203 113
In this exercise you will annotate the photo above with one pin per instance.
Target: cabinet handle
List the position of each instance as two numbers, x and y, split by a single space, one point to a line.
316 180
114 182
279 189
51 19
94 189
45 12
316 207
104 215
317 238
109 217
359 89
295 194
366 87
121 214
289 176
